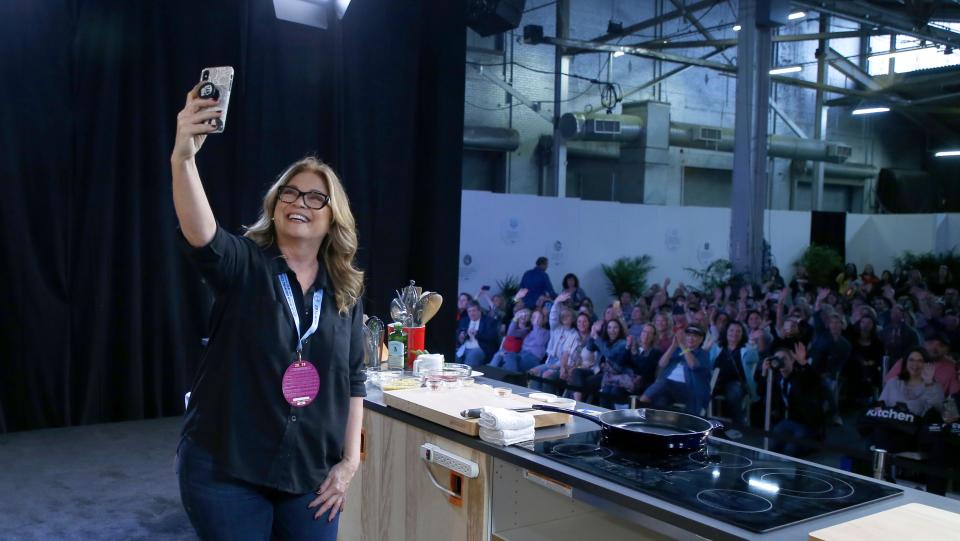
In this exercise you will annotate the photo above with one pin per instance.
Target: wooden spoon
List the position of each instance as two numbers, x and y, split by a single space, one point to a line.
431 307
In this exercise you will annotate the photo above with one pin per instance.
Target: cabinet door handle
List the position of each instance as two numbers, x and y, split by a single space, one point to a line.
433 479
363 444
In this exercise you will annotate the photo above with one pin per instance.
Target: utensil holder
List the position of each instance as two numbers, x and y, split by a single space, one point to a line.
416 337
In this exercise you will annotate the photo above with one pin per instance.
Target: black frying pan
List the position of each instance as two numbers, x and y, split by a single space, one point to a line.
649 430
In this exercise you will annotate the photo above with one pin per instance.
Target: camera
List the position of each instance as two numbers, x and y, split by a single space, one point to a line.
775 362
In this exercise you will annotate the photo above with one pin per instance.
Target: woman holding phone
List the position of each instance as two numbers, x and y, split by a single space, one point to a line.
271 436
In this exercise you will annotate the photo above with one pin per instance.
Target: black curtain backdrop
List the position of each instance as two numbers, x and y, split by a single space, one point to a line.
102 317
829 229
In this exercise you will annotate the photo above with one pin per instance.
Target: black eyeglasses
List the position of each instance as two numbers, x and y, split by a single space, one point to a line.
314 200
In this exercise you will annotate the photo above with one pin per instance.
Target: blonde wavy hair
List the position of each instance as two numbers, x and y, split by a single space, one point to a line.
340 245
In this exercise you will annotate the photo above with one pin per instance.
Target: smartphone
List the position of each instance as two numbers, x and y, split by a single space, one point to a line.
221 83
485 288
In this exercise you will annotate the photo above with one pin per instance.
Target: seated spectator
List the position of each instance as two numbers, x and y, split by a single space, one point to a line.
686 374
494 306
563 338
950 326
537 282
864 369
586 307
580 367
829 351
718 328
774 280
637 321
534 348
644 357
847 281
737 363
663 323
477 337
945 371
796 401
462 301
886 279
608 340
801 282
512 344
943 280
626 302
897 336
571 284
940 439
914 388
868 276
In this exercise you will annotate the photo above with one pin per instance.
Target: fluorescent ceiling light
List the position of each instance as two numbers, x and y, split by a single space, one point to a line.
870 110
786 69
796 15
947 153
618 54
310 12
737 28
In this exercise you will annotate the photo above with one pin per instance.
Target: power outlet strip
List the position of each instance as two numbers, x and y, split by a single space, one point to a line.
436 455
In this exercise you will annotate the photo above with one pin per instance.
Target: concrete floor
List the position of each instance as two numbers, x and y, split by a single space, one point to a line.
107 481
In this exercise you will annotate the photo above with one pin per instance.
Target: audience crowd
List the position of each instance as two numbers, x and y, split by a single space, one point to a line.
877 346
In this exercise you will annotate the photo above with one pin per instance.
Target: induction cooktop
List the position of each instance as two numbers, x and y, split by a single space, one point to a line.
746 487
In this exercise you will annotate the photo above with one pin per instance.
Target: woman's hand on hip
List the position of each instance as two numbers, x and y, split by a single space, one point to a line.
332 494
192 126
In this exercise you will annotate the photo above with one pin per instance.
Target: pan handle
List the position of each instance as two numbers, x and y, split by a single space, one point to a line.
569 411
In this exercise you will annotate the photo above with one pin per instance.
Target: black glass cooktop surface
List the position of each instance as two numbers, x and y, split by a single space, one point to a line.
749 488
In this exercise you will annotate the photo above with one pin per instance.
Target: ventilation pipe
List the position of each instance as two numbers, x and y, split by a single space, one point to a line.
629 128
490 139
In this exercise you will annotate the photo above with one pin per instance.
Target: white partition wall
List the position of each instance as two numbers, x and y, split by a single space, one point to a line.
503 234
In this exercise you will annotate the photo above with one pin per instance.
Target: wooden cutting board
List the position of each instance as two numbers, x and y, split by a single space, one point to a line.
910 521
444 406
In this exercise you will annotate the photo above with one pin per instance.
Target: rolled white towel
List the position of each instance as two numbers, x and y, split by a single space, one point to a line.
502 419
506 437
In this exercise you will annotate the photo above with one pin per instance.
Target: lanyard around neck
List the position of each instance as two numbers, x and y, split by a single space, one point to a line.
317 299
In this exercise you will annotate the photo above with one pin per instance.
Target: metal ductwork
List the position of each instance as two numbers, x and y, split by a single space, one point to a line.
580 126
855 171
629 128
490 139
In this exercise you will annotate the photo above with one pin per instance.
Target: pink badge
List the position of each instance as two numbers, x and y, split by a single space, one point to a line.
301 384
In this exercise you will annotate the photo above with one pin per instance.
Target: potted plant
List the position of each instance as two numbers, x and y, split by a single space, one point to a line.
823 264
717 274
628 274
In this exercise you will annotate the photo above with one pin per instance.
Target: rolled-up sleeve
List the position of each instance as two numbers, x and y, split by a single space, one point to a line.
357 353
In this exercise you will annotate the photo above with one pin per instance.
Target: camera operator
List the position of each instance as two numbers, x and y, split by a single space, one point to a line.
796 398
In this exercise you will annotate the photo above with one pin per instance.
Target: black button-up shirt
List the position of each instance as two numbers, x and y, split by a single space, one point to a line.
237 410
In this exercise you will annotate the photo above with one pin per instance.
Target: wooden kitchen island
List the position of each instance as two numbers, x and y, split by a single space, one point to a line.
522 496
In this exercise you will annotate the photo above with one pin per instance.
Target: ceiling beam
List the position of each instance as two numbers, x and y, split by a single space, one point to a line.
691 44
884 19
690 61
647 23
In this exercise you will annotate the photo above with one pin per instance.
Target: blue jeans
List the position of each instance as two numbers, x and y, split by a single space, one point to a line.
549 370
733 393
221 507
664 392
475 358
793 429
516 362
